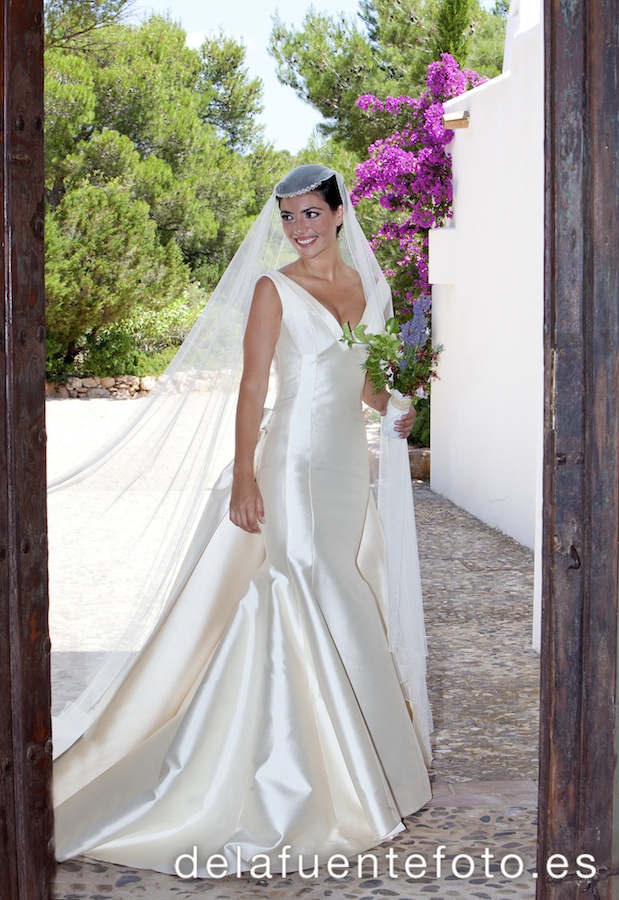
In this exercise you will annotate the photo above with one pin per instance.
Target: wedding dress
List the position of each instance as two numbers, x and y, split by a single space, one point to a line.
264 711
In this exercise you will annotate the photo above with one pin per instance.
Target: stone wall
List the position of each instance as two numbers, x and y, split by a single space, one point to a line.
120 387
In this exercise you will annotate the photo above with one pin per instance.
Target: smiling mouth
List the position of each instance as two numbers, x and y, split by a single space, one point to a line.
305 242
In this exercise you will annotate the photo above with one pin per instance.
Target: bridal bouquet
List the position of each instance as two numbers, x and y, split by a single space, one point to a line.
401 359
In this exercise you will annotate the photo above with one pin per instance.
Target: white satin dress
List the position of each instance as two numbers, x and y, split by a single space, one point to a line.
265 711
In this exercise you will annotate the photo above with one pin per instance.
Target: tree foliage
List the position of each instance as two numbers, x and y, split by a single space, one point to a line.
327 63
155 168
104 258
229 99
79 25
331 60
155 160
453 30
501 8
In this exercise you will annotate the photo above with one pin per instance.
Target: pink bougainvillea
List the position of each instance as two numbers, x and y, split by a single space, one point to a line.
410 173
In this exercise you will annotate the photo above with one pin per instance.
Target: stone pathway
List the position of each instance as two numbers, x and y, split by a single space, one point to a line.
483 673
483 682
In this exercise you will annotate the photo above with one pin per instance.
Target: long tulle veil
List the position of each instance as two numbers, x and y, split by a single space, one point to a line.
121 523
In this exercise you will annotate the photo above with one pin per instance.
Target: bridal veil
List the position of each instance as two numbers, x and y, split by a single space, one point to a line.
121 523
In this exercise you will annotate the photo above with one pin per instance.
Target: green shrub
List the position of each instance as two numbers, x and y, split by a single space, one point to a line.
420 434
141 345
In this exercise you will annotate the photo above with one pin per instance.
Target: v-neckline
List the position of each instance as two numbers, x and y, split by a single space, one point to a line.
323 308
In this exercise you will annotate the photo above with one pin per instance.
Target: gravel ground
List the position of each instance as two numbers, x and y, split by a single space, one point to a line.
77 427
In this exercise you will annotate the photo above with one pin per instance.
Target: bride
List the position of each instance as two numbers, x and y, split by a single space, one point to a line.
259 709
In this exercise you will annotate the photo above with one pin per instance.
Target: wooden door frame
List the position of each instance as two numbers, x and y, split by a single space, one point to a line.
26 817
581 459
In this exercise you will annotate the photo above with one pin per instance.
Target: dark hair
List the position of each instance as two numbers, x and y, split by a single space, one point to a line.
330 193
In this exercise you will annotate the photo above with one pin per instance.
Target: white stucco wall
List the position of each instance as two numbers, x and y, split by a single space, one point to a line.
486 268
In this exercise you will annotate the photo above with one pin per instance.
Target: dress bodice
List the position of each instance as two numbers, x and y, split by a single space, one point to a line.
310 354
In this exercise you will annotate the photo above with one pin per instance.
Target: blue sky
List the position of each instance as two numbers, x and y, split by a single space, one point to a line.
288 121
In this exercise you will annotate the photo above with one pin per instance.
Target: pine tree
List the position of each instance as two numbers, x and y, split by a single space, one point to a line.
453 29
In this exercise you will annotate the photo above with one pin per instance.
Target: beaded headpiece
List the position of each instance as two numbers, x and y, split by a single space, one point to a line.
302 180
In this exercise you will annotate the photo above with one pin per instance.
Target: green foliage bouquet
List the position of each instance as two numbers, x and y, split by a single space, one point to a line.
401 359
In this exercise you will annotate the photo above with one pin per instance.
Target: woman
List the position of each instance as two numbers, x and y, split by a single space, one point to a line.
283 732
311 222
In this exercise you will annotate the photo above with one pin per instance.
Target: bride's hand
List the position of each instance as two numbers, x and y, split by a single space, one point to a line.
246 506
404 425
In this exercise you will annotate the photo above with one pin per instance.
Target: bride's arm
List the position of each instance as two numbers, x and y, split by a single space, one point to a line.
376 401
263 326
404 425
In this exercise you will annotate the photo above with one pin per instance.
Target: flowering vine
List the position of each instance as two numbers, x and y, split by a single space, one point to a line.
410 173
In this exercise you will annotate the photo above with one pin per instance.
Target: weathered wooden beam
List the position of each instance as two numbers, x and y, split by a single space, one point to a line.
581 499
26 822
459 119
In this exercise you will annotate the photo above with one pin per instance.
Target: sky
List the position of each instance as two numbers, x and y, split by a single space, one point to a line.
288 121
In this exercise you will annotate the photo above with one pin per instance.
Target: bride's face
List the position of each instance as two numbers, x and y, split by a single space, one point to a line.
310 224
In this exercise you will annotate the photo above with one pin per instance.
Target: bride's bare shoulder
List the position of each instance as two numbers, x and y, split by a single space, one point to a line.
266 293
